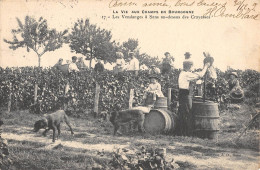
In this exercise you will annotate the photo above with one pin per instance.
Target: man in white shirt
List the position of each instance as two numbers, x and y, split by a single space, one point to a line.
133 64
185 96
73 66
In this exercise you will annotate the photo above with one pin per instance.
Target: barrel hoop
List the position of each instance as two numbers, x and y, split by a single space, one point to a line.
207 130
213 117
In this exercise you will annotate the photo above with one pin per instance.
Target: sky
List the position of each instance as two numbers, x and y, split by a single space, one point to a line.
232 42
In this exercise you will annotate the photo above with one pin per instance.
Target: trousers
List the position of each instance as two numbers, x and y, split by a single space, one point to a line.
184 113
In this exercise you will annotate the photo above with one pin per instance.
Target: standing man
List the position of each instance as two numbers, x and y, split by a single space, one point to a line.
133 64
99 67
167 63
73 66
185 96
80 63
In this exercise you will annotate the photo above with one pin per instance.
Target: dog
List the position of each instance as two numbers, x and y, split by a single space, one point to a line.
52 121
118 118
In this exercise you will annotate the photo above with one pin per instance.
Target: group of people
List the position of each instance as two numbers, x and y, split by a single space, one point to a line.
185 80
74 65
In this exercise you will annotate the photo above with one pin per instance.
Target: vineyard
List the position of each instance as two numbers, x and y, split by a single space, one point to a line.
17 86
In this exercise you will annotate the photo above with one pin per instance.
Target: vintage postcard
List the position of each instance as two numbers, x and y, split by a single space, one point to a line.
108 35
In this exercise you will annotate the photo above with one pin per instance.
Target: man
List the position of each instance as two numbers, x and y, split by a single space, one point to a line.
80 63
73 66
185 96
167 63
187 56
99 67
59 63
133 64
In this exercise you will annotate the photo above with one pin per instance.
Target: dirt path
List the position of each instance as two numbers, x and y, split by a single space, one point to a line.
202 156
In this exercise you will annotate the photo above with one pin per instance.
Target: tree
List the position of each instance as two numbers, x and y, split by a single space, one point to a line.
36 35
91 41
130 45
148 60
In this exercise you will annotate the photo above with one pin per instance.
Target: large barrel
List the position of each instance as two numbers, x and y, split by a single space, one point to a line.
159 121
161 103
206 119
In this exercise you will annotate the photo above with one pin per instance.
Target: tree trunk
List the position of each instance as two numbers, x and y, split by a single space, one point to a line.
90 62
39 61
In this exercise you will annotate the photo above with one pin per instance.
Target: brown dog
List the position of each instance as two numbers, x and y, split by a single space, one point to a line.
52 121
119 118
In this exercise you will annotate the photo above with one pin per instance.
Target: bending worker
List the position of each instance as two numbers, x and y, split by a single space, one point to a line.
185 96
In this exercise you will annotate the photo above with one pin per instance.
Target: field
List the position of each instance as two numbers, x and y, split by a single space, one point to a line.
93 144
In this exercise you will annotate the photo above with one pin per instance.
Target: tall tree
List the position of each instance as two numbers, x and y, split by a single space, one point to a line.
130 45
91 41
35 35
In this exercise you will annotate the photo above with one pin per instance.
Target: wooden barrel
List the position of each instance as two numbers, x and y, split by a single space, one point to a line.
161 103
206 119
149 100
159 121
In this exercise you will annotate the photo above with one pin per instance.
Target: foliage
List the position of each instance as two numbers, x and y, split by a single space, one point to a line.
91 41
143 159
148 60
130 45
35 35
114 95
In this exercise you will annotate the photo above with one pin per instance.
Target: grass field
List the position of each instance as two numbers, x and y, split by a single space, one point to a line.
29 150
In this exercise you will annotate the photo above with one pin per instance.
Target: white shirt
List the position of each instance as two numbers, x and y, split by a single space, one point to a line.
185 77
143 67
133 65
120 62
72 67
155 88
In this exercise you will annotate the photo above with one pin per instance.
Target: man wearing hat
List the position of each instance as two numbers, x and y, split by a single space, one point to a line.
120 62
133 64
99 67
154 88
187 55
72 65
185 96
167 63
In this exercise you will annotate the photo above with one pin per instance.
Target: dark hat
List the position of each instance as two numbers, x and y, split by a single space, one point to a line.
187 54
74 58
166 53
233 73
154 76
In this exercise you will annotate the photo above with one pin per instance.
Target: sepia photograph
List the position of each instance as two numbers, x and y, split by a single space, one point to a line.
129 84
